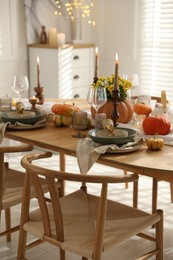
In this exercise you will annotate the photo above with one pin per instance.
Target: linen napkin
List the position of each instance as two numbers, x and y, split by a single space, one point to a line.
4 125
2 130
88 152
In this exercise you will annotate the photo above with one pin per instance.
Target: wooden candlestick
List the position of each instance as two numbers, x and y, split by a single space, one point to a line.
115 94
33 101
39 94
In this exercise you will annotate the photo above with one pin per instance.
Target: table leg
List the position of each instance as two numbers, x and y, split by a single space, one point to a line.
62 168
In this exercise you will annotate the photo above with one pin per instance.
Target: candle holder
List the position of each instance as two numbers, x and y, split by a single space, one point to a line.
95 79
39 94
115 114
33 101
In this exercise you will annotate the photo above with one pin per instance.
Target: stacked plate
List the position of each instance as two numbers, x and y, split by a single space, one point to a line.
120 136
28 117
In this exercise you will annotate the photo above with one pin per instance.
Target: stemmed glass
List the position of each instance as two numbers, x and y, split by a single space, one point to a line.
134 91
97 97
19 85
79 123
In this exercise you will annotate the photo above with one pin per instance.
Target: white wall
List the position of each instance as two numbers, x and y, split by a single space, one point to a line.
13 52
115 31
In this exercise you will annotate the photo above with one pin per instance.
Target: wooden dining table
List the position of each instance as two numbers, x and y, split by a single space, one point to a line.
155 164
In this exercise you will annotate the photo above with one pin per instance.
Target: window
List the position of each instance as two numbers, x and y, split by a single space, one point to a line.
156 46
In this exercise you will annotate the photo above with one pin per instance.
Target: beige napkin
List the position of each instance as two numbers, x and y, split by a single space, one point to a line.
88 152
2 130
4 125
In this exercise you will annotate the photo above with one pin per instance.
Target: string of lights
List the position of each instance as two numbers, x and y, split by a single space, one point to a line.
74 8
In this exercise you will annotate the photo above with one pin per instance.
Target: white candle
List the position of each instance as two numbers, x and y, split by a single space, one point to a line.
52 36
116 72
38 72
61 38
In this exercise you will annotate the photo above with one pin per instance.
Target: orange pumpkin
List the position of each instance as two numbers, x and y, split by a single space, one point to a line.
64 109
125 110
142 109
158 124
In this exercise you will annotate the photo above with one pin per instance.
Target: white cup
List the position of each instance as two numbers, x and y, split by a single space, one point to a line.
61 38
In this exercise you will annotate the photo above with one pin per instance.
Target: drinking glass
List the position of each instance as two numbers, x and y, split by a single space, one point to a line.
19 85
99 98
79 123
134 91
90 96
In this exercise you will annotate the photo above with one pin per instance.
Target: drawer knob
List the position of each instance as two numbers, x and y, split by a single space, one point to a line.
76 77
76 57
76 96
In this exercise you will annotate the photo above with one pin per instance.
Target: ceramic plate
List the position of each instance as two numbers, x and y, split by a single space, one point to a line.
28 117
122 136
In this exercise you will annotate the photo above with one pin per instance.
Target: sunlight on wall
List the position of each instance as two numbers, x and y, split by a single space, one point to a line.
0 41
65 73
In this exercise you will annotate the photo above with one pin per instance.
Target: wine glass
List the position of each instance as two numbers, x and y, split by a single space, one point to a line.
79 123
134 91
90 96
19 85
99 98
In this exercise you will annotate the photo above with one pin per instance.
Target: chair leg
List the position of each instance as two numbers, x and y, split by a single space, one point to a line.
84 258
8 223
159 236
154 195
62 254
171 191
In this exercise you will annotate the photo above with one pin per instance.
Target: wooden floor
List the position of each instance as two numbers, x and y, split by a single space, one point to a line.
129 250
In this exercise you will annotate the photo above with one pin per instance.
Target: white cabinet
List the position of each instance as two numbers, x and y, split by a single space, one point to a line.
65 72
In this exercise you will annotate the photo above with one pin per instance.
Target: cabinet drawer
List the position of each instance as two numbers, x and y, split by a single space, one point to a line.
80 58
80 77
80 92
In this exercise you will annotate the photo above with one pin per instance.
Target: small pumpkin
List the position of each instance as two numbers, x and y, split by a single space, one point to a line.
158 124
155 143
142 109
64 109
125 110
60 120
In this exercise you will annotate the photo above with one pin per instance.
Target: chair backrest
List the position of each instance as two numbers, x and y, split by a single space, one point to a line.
52 211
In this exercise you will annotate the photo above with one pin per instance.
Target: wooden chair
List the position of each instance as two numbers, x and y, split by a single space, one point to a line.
80 222
11 183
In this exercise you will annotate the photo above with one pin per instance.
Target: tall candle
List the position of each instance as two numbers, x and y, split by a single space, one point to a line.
52 36
116 72
163 98
96 62
38 72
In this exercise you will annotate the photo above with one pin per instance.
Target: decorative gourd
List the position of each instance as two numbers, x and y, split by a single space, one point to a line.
158 124
155 143
142 109
125 110
64 109
59 120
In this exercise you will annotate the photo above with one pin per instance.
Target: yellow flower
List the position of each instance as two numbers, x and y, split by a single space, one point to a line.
108 83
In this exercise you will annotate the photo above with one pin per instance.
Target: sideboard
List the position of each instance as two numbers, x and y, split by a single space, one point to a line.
65 72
